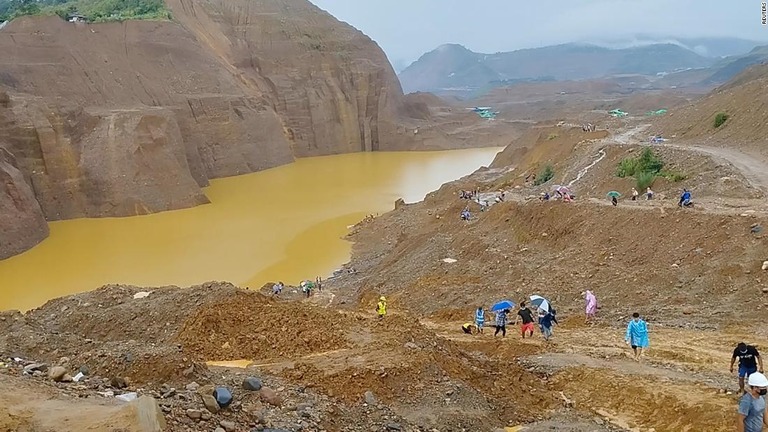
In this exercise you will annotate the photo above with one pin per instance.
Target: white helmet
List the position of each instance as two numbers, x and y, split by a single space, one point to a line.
758 380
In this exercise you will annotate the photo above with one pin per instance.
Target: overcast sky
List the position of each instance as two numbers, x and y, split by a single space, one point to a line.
406 29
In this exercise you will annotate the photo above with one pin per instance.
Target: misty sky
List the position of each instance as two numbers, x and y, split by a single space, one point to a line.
406 29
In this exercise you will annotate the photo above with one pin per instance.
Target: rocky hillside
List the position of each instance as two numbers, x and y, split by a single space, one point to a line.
120 119
741 99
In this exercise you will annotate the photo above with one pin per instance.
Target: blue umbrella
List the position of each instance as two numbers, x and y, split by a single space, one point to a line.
504 304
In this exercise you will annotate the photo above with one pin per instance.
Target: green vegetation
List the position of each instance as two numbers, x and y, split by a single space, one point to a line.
544 176
646 168
93 10
552 136
673 176
646 162
720 118
644 179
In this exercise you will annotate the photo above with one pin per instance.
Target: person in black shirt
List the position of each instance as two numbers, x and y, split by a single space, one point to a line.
527 317
749 358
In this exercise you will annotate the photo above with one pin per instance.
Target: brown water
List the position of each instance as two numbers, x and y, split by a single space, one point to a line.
285 223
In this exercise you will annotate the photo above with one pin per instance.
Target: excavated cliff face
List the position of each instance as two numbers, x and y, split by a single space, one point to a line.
22 224
333 86
130 118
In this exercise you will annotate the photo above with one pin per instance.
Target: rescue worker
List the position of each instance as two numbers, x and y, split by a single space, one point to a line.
479 318
381 307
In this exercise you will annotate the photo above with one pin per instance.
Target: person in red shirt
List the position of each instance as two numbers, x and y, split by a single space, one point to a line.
527 318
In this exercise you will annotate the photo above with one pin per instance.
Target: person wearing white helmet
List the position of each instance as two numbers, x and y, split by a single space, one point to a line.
752 416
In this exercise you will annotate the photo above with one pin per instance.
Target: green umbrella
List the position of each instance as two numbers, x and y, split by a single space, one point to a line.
612 194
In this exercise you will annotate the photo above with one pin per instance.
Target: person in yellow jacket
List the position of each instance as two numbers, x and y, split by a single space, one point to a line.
381 307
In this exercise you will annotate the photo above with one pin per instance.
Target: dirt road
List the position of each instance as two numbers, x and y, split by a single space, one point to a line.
751 166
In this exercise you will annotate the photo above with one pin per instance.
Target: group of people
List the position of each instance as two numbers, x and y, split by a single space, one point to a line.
752 408
307 287
648 194
546 319
752 405
685 197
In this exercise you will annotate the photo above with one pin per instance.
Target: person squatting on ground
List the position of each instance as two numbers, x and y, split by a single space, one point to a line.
501 323
685 199
277 288
479 319
752 416
467 328
637 335
381 307
749 358
527 320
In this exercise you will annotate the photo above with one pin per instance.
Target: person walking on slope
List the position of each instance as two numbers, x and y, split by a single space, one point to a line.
648 194
381 307
749 358
634 194
591 306
637 335
752 409
479 319
546 319
527 317
501 323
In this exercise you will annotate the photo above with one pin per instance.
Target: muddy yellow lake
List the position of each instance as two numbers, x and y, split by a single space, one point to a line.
286 223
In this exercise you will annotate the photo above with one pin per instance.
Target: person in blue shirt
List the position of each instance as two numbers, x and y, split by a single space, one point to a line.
479 318
685 199
752 409
637 335
546 318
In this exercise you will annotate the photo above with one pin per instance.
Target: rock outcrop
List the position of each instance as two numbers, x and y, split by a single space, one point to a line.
129 118
22 224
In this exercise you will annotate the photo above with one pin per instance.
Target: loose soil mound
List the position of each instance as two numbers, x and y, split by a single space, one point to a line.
543 145
249 326
167 335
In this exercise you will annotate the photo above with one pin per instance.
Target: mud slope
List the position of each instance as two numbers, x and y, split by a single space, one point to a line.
687 265
121 119
743 99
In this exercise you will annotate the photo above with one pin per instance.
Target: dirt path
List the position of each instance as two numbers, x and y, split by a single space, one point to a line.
681 383
753 169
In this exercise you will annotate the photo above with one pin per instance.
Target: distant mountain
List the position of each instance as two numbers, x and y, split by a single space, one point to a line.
714 47
454 66
719 47
729 67
720 72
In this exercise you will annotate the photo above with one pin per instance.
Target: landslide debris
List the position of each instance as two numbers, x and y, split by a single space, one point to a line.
632 256
167 335
355 371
